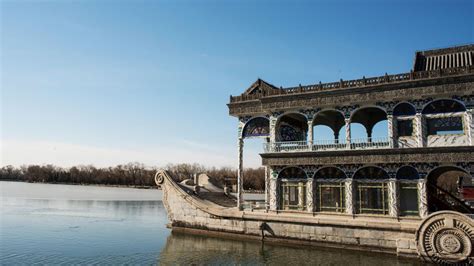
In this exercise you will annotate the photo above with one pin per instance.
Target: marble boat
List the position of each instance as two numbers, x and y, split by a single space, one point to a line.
405 193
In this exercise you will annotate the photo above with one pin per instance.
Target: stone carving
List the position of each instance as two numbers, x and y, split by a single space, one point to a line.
446 237
309 195
391 130
388 106
273 194
422 199
467 100
393 198
348 132
420 103
159 178
272 125
469 126
349 188
310 113
347 110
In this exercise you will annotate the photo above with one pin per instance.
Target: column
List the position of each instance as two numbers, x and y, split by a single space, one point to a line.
469 126
310 134
369 135
267 187
309 195
419 132
391 123
393 198
349 191
240 173
348 133
422 198
274 193
301 198
272 125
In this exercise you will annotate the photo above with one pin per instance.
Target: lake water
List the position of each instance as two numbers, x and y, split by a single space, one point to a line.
62 224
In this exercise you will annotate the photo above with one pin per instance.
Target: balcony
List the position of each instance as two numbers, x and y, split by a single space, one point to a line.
327 145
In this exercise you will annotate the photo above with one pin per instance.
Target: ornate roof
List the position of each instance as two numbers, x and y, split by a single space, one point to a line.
260 87
452 57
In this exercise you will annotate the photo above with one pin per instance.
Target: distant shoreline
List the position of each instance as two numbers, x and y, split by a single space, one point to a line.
82 184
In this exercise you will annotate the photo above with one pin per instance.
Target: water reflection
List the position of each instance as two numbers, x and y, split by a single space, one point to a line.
187 249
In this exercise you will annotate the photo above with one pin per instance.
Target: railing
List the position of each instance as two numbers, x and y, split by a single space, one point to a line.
327 145
370 143
442 199
358 82
287 146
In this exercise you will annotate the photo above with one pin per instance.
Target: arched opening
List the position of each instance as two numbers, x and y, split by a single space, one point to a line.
404 109
331 119
374 121
256 127
407 178
254 132
444 117
371 190
444 189
292 127
330 189
327 126
443 106
292 186
403 114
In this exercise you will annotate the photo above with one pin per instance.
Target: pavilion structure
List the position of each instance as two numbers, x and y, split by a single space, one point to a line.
424 156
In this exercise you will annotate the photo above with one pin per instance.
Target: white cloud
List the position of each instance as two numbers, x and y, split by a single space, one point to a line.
19 152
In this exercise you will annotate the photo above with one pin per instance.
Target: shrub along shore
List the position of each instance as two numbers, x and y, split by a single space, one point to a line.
128 175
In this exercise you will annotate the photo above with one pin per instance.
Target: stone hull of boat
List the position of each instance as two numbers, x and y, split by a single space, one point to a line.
187 212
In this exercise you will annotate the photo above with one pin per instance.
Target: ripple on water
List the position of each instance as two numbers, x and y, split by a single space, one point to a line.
50 232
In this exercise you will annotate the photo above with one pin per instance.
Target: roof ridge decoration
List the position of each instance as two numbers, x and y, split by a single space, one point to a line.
260 86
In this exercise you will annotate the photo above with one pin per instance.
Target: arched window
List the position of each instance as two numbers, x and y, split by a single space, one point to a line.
404 123
371 190
449 123
257 127
292 127
407 178
293 188
330 190
443 106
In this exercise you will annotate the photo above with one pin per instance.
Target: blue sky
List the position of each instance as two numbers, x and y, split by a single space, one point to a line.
109 82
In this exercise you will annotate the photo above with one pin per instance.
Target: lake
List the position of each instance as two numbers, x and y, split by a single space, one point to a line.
65 224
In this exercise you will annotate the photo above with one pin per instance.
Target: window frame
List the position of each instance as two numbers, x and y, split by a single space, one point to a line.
404 185
342 197
383 185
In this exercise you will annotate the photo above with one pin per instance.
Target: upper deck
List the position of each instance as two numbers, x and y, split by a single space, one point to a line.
430 106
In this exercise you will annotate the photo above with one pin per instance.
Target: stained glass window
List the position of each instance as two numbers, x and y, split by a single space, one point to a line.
257 127
290 133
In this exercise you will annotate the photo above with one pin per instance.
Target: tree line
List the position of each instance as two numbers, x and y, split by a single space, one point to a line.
131 174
